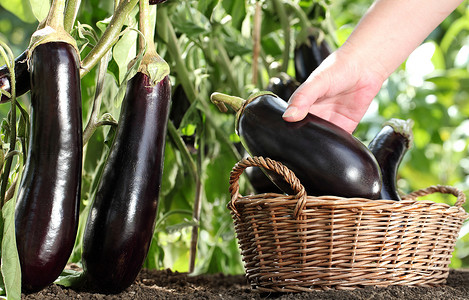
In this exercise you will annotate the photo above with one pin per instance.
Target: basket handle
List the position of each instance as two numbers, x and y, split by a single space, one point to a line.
461 197
271 165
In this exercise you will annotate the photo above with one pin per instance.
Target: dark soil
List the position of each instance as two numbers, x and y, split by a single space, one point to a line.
166 284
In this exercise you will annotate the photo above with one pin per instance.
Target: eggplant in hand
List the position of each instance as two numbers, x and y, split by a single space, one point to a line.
327 159
389 147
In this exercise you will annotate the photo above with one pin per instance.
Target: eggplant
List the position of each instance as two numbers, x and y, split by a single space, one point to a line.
179 107
308 56
22 82
46 214
283 86
327 159
120 225
389 147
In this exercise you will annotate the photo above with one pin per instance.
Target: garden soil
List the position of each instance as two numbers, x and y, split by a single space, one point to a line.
166 284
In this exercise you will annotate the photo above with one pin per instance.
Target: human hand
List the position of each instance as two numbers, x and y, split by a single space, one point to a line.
340 91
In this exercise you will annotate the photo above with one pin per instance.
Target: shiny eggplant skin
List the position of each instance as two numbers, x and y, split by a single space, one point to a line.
389 147
308 56
326 159
283 86
21 74
180 105
46 216
120 225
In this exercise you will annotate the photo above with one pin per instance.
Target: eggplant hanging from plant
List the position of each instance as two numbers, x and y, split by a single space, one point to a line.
308 55
21 75
327 159
47 209
389 147
120 225
283 85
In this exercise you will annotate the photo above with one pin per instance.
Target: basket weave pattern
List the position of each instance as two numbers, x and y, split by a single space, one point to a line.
294 243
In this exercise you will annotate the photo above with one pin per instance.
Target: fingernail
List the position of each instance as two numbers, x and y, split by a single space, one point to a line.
290 112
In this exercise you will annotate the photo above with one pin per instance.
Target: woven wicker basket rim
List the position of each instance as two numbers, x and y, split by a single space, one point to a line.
302 199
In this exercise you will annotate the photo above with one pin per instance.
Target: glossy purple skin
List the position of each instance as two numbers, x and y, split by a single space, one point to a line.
46 217
121 220
325 158
307 57
21 74
389 147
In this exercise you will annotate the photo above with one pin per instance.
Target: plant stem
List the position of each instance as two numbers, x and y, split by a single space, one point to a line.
304 21
148 32
109 38
55 18
284 21
98 96
197 208
187 83
71 14
12 121
181 146
225 61
257 42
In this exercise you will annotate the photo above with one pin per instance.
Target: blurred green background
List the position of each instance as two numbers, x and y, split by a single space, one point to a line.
211 50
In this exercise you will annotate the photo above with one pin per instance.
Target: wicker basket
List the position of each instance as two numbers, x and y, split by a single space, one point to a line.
296 243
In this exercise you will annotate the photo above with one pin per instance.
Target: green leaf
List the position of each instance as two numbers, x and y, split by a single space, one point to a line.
10 265
40 8
206 6
20 8
70 278
191 22
237 10
124 51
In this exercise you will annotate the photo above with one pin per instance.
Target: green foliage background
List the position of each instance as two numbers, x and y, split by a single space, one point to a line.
208 45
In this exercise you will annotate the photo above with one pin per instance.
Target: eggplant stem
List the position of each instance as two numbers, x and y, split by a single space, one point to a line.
220 99
71 14
55 18
109 37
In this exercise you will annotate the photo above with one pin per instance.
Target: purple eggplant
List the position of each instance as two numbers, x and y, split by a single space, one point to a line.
120 225
46 216
327 159
283 86
308 56
389 147
23 84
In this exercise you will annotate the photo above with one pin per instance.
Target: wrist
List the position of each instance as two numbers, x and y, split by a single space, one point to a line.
363 62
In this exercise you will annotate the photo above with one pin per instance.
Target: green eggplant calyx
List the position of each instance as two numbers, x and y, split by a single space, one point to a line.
48 34
402 127
155 67
259 94
238 104
221 100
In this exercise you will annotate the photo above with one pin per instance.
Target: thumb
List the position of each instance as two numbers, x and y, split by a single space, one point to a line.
302 99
